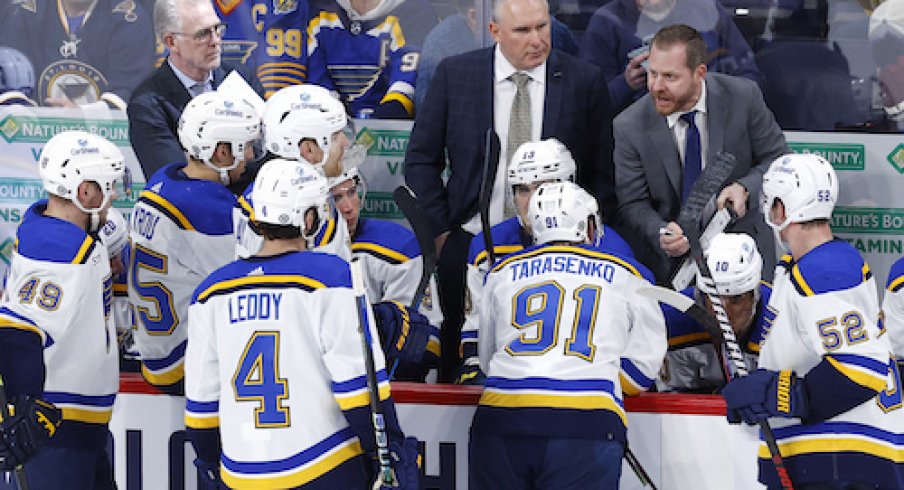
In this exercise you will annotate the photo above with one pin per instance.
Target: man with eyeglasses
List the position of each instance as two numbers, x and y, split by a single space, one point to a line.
84 52
192 33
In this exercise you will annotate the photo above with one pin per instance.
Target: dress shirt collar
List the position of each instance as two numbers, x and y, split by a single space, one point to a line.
700 107
187 81
502 69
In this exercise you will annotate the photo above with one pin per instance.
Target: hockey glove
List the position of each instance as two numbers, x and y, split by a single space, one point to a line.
22 435
764 394
406 464
404 333
469 373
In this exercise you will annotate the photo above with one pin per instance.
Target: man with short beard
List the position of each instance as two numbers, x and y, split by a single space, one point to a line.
653 137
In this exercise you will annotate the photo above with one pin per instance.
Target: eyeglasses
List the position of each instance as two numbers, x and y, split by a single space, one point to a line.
204 35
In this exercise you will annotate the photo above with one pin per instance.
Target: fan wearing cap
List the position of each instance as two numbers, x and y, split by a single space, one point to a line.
393 265
693 362
181 229
57 340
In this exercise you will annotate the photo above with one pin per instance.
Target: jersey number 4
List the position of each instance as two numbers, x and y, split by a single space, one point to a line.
257 379
536 312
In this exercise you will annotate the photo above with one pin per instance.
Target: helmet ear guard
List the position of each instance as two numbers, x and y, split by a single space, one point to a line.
213 118
562 211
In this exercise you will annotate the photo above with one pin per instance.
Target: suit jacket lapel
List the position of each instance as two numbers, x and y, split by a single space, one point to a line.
663 140
177 92
553 99
716 118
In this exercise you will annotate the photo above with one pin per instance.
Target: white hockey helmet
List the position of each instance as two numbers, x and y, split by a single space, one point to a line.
541 161
562 211
212 118
735 264
72 157
285 190
298 112
807 186
115 232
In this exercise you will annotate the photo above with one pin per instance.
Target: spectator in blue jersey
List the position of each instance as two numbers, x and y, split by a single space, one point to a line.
457 34
619 29
192 33
17 78
694 361
369 51
84 51
534 163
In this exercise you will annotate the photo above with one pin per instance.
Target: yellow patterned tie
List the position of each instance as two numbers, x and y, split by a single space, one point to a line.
518 131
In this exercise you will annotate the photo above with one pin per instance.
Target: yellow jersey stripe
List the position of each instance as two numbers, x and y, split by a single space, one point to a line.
876 383
83 251
89 416
164 378
400 98
250 280
297 478
381 250
801 283
362 398
581 401
500 250
821 444
4 323
172 210
570 249
194 422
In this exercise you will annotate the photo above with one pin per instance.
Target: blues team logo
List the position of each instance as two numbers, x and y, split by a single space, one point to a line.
284 6
72 80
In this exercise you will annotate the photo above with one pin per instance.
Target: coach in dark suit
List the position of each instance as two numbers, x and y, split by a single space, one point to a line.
653 147
191 31
473 92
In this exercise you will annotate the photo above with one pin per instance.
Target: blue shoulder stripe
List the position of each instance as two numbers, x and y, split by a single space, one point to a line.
50 239
194 204
388 235
832 266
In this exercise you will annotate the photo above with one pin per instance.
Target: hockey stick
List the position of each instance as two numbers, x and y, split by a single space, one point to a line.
386 477
701 193
21 479
407 203
635 465
683 277
490 162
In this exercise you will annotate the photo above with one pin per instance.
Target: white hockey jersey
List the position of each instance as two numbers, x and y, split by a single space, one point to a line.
274 358
824 309
555 324
181 231
393 264
893 307
60 279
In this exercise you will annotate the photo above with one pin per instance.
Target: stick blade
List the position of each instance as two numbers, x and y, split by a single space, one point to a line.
713 179
409 206
685 305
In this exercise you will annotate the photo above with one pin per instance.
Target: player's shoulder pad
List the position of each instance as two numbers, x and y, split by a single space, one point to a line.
53 240
896 276
385 240
832 266
192 204
506 240
613 242
309 271
626 260
128 9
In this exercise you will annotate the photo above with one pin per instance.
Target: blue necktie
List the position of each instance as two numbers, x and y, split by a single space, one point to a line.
692 158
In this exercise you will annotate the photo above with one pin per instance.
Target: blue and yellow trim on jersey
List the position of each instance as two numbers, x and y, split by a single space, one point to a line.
535 392
254 282
85 250
202 415
570 249
246 208
328 233
275 75
354 393
381 252
91 409
498 251
11 319
864 371
632 380
295 470
836 437
160 203
168 370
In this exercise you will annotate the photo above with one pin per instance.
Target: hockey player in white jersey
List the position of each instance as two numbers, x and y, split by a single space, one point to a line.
304 123
534 163
692 363
181 229
275 369
115 236
561 324
57 316
393 264
893 309
827 382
